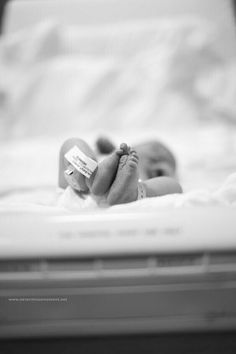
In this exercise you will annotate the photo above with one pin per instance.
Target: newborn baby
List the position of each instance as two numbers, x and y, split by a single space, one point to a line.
125 175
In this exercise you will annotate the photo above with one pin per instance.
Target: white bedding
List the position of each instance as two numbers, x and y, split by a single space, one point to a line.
58 201
163 79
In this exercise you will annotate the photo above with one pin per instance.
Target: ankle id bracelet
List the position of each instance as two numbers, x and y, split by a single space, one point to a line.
81 162
141 191
75 184
69 172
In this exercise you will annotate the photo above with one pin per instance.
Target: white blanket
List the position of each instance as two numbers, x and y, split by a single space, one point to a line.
59 201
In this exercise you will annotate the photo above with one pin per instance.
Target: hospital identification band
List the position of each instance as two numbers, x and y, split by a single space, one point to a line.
81 162
141 191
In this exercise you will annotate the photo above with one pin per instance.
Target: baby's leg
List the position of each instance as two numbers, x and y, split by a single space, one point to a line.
159 186
101 179
126 187
77 180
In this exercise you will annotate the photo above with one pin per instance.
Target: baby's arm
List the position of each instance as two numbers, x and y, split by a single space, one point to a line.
156 187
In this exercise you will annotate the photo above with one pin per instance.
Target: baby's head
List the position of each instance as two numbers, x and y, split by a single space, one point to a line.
155 160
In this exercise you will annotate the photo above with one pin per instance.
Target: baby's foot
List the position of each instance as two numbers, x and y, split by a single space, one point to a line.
101 181
125 186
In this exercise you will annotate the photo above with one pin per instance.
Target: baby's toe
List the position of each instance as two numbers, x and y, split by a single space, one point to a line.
125 148
119 152
134 155
133 160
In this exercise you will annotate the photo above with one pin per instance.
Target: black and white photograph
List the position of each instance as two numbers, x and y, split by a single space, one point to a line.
118 176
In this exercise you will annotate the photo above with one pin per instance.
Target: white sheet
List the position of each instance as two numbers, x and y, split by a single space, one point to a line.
59 201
